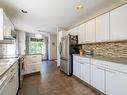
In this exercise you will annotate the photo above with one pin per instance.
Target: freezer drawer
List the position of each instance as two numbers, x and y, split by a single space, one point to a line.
64 66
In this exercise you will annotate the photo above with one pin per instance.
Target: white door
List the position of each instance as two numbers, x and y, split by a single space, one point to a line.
118 22
90 31
81 34
116 83
102 28
85 72
98 78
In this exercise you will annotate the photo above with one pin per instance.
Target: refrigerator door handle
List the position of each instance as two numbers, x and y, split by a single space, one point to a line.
60 48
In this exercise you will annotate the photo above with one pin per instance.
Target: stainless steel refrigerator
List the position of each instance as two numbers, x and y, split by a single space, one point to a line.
66 53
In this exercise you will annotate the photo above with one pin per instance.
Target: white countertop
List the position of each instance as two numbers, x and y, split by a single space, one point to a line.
104 58
5 64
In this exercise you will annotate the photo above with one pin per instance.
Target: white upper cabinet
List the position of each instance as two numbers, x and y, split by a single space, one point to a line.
102 28
81 34
5 25
90 31
74 31
118 22
1 24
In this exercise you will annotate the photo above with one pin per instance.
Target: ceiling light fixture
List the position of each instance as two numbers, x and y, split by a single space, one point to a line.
79 6
24 11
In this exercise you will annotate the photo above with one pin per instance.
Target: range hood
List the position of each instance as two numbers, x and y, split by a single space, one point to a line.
9 38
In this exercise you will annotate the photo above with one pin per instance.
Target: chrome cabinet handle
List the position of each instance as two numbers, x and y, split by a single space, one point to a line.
12 70
3 80
12 78
100 68
34 62
34 69
110 71
34 56
105 65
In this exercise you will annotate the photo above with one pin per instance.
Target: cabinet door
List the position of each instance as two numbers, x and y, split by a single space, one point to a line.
85 72
1 24
11 85
81 34
102 28
118 23
116 83
5 90
74 31
76 68
90 31
98 78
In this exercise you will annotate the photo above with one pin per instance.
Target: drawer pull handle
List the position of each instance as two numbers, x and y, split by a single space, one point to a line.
12 78
34 62
34 69
34 56
3 80
100 68
105 65
110 71
12 69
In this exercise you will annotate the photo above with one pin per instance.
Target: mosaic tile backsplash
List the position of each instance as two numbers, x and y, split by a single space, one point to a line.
110 49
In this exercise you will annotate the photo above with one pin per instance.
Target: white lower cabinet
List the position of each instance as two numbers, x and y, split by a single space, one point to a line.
116 83
76 69
5 90
98 78
108 77
32 63
81 69
11 85
85 72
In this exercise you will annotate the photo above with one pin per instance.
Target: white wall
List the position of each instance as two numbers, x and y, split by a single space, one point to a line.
52 48
21 41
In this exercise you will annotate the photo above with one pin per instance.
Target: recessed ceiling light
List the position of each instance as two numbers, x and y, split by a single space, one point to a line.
24 11
79 6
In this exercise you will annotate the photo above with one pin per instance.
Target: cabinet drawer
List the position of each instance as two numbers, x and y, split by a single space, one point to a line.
118 67
82 59
13 69
110 65
32 62
32 68
33 57
100 63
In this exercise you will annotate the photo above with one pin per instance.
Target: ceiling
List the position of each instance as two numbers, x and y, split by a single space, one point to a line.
47 15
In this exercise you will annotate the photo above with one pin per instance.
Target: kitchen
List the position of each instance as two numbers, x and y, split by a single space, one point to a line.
81 51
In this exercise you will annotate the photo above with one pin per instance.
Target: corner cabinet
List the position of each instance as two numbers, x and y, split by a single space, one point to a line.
118 22
90 31
102 28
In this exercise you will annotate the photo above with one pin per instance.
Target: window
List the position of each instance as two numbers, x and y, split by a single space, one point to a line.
36 46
